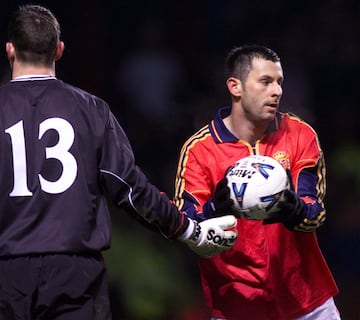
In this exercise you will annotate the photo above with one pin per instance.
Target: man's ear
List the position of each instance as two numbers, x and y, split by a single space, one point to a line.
234 86
10 51
59 50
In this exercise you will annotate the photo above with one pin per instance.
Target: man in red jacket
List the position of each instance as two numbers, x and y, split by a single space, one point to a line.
276 270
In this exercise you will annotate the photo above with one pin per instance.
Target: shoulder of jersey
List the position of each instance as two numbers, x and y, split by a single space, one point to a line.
296 119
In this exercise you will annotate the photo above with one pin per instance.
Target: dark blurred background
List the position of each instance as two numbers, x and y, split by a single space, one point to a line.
159 65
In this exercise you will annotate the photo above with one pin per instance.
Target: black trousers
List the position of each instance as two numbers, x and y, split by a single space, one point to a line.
54 287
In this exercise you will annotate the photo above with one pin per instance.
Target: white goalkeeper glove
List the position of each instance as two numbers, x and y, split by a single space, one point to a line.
210 237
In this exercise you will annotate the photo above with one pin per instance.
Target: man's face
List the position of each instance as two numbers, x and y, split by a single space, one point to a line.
262 90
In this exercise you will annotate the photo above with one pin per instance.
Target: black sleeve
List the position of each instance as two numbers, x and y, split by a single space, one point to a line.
128 187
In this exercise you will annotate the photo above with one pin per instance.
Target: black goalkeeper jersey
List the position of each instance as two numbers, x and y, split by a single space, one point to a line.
61 152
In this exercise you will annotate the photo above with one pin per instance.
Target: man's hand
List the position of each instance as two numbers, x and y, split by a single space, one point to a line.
221 203
291 209
210 237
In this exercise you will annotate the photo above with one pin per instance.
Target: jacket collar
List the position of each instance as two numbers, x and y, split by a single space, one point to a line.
221 134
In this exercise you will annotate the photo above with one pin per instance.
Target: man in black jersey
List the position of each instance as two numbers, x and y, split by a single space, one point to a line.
62 151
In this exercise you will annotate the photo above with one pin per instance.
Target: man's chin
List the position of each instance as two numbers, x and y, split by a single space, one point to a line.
270 115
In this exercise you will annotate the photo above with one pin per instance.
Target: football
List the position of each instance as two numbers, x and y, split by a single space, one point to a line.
256 185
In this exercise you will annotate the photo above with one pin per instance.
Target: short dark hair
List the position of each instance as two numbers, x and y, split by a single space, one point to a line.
35 33
238 62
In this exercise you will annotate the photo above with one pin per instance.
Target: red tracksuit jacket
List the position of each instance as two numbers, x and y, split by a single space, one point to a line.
271 273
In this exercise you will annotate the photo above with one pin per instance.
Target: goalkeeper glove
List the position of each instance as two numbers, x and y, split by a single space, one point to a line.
291 210
210 237
220 203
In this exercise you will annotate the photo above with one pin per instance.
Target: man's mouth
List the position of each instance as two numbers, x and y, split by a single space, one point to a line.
272 105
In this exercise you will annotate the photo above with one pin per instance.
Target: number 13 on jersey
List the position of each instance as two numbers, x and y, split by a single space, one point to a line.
60 152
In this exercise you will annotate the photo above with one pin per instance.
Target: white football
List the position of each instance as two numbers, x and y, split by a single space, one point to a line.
256 185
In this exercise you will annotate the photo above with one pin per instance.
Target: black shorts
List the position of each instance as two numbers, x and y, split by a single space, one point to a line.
54 287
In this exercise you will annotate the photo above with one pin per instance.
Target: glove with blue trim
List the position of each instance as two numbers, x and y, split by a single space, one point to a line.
220 203
291 209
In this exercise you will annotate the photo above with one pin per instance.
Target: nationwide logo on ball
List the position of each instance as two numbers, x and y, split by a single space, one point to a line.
256 185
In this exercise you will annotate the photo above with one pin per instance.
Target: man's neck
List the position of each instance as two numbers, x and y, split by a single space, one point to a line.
20 70
244 129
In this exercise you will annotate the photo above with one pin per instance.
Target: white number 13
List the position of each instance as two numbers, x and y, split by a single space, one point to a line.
60 151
